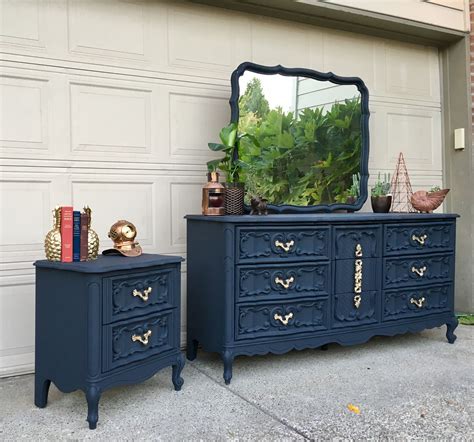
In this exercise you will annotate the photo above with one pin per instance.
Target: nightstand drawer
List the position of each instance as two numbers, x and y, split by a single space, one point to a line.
418 270
137 294
348 312
273 282
258 320
417 302
419 238
129 341
285 243
357 241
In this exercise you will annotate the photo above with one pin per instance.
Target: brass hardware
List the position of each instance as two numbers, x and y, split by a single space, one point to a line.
358 276
285 246
417 302
143 295
419 239
283 283
420 272
357 301
143 339
283 320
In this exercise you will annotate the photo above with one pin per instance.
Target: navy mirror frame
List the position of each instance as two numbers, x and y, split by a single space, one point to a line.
333 78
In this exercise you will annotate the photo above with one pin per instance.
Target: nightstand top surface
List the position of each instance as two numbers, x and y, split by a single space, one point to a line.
104 264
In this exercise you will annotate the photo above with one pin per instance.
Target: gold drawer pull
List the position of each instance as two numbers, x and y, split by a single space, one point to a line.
143 339
285 283
358 251
420 272
419 239
285 246
143 295
417 302
357 301
283 320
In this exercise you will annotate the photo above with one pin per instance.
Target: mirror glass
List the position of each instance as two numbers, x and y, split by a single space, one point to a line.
306 139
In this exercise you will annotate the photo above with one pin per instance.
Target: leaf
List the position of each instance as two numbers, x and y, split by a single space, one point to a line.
354 408
228 134
213 165
217 147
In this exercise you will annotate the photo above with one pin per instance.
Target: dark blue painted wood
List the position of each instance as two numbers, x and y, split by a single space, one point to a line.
233 298
320 76
83 332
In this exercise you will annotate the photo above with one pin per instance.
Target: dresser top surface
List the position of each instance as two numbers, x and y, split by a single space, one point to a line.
326 217
104 264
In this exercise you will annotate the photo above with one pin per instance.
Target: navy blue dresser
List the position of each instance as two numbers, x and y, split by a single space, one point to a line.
270 284
105 323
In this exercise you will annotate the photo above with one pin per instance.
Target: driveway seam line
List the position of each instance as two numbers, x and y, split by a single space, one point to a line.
257 406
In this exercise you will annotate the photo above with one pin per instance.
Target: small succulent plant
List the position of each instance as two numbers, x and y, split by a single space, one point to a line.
381 187
354 190
435 189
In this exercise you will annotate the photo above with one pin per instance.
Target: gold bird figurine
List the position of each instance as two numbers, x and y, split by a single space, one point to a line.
52 241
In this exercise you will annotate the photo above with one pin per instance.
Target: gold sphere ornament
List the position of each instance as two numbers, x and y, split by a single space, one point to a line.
92 237
52 241
123 234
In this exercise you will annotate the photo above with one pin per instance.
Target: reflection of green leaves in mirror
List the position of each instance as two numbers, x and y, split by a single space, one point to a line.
302 160
253 101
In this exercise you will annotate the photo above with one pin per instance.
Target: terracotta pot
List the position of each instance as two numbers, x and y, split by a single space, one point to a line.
424 201
381 204
234 198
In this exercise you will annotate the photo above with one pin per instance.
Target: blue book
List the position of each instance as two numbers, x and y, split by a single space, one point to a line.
76 236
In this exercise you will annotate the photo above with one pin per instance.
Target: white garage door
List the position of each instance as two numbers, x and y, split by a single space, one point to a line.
112 103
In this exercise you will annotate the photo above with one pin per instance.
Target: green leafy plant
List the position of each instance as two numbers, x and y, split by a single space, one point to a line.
303 159
381 187
435 189
230 141
466 319
354 190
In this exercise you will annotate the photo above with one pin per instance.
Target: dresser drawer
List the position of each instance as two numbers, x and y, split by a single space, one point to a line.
276 319
129 341
285 243
346 269
132 295
347 314
417 270
351 242
270 282
417 302
419 238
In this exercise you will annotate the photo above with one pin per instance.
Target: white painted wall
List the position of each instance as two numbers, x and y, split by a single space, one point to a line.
111 103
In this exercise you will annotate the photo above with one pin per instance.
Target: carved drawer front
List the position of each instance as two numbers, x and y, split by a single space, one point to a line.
285 281
130 341
285 243
419 270
259 320
350 311
365 241
361 271
137 294
417 302
419 238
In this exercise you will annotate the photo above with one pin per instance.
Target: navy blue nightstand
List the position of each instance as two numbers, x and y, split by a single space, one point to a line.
105 323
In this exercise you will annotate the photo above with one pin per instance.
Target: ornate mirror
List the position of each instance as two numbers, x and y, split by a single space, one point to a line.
309 144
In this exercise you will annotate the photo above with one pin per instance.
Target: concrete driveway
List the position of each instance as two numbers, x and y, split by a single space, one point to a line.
410 386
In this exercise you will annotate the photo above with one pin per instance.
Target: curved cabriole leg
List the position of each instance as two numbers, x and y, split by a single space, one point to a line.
93 396
450 327
227 357
41 391
191 349
178 381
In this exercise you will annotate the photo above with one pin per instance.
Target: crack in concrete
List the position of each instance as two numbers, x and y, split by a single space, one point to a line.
253 404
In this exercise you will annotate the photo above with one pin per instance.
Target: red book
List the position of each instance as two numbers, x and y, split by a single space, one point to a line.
66 233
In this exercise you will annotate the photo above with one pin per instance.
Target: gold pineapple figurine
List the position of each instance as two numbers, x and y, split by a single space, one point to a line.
93 238
52 241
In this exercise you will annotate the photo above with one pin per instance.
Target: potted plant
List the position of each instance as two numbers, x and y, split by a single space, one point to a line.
424 201
231 166
354 191
380 195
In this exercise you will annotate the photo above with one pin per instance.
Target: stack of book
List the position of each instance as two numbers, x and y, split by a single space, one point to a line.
74 234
